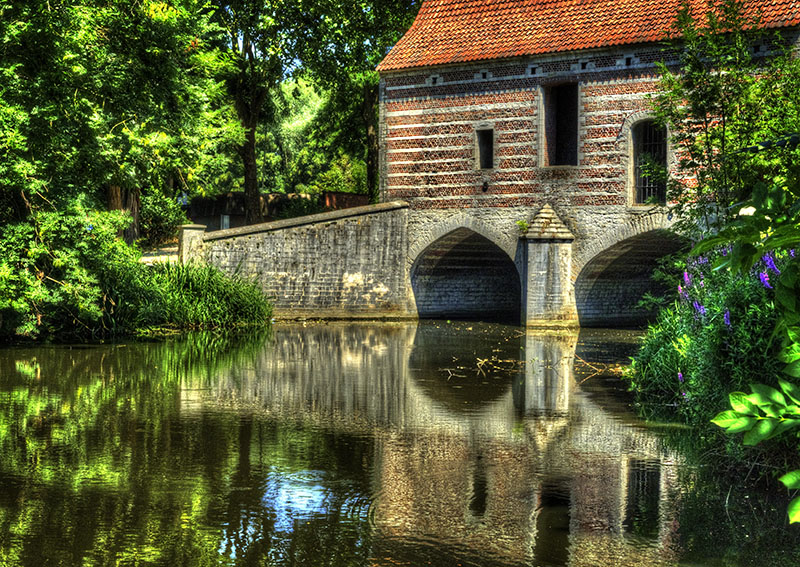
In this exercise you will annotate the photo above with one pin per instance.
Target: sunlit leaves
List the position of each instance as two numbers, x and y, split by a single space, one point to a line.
763 414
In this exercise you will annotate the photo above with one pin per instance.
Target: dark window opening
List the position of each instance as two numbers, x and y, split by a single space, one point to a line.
533 70
433 80
584 64
561 125
642 513
650 162
483 74
628 61
480 490
486 148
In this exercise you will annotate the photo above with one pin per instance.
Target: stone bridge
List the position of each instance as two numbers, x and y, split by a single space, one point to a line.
571 267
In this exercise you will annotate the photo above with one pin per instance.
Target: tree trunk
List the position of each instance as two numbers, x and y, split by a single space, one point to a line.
370 116
129 201
115 201
132 206
252 197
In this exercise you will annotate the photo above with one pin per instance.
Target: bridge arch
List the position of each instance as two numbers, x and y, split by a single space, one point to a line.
464 274
657 219
505 242
611 283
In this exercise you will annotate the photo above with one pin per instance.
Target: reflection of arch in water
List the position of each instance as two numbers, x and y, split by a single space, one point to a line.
611 283
464 274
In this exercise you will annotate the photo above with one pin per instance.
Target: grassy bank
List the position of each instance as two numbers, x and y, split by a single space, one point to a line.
68 276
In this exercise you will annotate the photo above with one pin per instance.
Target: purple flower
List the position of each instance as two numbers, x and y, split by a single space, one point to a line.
684 394
680 377
791 252
686 278
769 261
765 280
727 318
699 308
89 228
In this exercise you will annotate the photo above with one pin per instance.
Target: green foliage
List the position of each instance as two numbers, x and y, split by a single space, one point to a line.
720 100
310 146
341 45
159 217
68 275
197 297
716 336
344 175
51 271
99 94
523 226
724 106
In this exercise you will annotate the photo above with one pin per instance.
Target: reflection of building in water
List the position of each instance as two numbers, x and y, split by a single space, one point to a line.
511 461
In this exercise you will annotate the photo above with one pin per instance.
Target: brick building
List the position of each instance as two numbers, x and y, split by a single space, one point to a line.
491 109
496 113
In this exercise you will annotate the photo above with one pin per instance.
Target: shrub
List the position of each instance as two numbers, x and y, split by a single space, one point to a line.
159 217
716 338
67 275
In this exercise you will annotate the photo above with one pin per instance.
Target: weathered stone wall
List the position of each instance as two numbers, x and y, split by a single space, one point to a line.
429 119
345 263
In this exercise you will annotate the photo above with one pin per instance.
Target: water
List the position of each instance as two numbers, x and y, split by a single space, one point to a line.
390 444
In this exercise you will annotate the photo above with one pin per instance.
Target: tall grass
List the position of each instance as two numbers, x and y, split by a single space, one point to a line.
176 296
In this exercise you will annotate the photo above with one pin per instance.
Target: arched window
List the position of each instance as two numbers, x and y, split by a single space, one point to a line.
650 162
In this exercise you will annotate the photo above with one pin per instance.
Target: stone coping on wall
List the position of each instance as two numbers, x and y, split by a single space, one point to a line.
305 220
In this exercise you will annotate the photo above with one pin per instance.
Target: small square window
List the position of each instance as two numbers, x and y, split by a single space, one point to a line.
486 148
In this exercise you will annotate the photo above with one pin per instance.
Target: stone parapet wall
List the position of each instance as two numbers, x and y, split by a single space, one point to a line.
346 263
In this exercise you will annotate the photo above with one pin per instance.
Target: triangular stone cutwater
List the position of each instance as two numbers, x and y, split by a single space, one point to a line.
547 225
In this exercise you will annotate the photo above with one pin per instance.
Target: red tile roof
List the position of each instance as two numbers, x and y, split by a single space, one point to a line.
456 31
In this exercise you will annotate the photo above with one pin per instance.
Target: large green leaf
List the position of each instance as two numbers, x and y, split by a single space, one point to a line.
762 430
791 480
741 424
741 404
794 510
764 395
790 389
793 369
725 419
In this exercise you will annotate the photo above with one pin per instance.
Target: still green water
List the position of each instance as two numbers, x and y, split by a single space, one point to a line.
355 444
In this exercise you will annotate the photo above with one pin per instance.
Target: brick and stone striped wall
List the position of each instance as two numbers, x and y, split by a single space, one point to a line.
429 119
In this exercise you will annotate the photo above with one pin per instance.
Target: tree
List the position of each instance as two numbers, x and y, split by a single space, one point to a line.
731 89
261 46
99 100
103 99
342 44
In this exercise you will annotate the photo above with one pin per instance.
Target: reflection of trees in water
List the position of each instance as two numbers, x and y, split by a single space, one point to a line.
97 465
178 452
